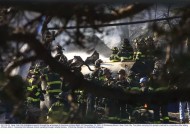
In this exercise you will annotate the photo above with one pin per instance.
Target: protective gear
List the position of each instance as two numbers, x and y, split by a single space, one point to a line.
138 55
126 41
60 57
34 91
122 71
35 71
115 49
106 71
126 52
143 80
54 83
57 112
58 48
114 57
126 44
98 62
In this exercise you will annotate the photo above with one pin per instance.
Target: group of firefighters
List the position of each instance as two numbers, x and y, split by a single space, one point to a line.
58 91
50 99
141 48
62 97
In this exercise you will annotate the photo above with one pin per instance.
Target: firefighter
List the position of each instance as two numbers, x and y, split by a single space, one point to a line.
122 79
154 83
110 104
138 53
126 52
123 83
48 37
54 84
114 56
145 89
34 96
60 56
97 73
150 45
59 111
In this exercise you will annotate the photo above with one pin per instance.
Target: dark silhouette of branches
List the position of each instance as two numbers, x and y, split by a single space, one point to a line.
99 90
17 63
120 24
92 18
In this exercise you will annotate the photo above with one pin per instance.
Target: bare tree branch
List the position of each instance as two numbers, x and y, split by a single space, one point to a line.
17 63
123 12
120 24
99 90
33 21
67 10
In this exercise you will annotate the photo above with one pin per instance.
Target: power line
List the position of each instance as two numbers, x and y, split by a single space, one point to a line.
116 24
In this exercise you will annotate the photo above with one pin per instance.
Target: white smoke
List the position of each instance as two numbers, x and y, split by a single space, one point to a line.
112 36
113 66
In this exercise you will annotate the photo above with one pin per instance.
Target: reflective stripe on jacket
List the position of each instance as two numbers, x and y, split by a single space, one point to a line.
54 83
